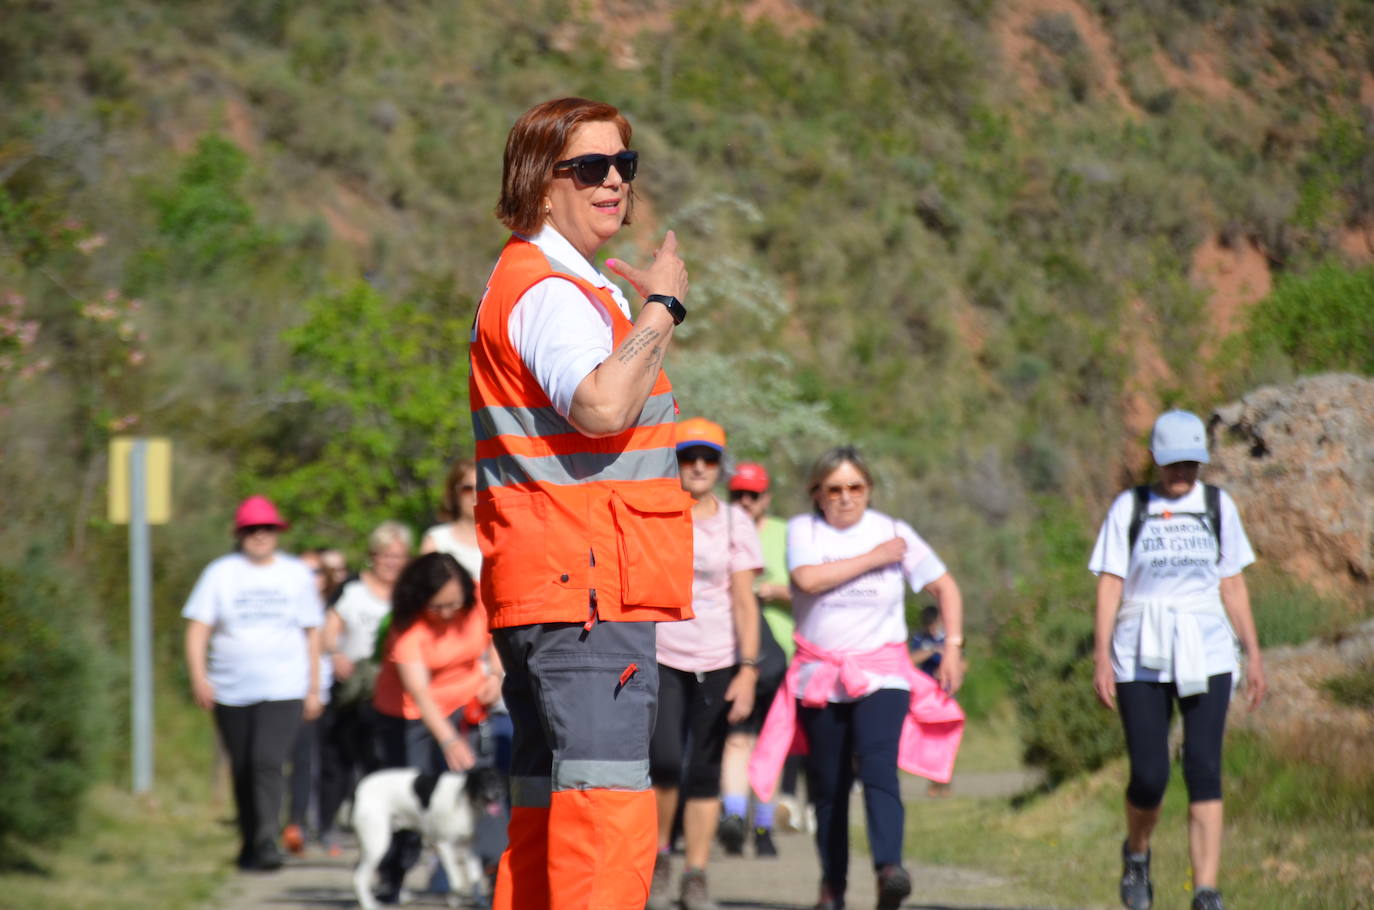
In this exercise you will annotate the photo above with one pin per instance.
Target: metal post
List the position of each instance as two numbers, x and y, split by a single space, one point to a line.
140 617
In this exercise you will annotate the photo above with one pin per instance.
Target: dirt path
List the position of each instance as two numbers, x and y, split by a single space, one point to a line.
315 881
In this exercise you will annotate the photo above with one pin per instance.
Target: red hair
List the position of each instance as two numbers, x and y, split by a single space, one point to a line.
537 142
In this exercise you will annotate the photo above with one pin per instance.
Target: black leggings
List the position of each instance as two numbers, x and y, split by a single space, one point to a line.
1146 711
690 706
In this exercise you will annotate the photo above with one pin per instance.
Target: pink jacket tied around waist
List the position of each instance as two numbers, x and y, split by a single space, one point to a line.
931 733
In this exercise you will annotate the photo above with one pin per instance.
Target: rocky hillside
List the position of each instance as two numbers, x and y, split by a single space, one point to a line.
1300 461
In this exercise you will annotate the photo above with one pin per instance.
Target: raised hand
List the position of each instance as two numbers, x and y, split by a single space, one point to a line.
667 275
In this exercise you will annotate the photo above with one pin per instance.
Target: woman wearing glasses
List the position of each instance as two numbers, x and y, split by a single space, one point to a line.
585 532
457 536
707 666
864 708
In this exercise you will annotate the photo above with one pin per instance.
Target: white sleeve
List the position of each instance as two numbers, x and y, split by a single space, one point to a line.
920 565
801 543
1112 552
561 336
203 604
1236 552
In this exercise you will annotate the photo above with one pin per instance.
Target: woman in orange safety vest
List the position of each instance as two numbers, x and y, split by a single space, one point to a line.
585 533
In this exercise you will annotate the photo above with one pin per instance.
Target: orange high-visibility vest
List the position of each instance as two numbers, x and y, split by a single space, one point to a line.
571 528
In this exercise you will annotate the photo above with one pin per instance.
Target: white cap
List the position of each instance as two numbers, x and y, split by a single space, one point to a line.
1179 436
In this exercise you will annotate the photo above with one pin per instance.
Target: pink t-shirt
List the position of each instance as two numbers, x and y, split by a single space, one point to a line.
707 642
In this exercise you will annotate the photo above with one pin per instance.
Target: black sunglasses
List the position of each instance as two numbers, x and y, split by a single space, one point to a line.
249 530
591 170
698 453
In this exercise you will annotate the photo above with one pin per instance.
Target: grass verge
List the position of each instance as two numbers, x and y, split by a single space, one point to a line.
168 849
1060 849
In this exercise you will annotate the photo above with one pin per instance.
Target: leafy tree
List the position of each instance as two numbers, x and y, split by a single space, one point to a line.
378 407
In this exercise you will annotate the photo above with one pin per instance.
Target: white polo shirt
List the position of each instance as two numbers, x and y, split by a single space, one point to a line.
561 333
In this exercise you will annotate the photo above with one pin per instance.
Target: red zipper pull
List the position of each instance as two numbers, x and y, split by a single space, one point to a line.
631 670
591 614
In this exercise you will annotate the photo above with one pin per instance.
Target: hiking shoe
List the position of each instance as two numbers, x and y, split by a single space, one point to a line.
265 858
894 884
293 839
763 844
1207 899
731 834
828 900
1136 891
694 896
659 897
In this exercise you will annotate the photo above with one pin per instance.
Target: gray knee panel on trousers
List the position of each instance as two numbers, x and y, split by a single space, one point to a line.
583 717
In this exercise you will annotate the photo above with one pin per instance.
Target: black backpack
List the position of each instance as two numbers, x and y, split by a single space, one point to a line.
1210 519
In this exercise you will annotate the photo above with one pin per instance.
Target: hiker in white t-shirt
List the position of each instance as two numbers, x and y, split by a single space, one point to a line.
1171 602
253 654
849 567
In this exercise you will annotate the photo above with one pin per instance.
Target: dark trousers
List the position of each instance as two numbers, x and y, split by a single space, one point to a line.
258 738
347 751
1146 710
849 740
303 782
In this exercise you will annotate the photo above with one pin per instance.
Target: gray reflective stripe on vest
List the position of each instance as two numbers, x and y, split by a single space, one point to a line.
493 421
581 467
530 792
488 423
588 774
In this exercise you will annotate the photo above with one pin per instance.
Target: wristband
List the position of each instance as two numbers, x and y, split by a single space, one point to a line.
749 662
675 307
956 640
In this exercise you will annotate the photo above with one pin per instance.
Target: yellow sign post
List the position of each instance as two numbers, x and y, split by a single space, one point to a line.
158 473
140 495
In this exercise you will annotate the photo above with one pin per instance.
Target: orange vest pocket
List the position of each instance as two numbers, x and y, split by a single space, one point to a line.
654 542
513 567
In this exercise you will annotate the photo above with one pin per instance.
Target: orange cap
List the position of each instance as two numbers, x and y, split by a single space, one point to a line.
698 431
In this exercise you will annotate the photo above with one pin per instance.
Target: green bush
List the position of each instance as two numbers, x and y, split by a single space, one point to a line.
51 731
1047 646
1321 321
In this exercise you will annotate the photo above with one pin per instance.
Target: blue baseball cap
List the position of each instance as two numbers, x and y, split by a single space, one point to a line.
1179 436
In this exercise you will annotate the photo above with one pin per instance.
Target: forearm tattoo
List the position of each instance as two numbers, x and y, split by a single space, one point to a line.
642 340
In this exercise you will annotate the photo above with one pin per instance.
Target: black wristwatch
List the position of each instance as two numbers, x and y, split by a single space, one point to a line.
675 307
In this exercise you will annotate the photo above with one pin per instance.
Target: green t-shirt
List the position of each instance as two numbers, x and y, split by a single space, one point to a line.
778 615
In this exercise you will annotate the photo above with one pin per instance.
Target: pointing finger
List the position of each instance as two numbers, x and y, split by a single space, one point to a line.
669 243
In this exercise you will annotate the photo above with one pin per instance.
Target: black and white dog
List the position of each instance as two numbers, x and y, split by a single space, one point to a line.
444 809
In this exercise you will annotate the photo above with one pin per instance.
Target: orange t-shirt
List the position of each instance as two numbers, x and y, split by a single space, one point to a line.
453 655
